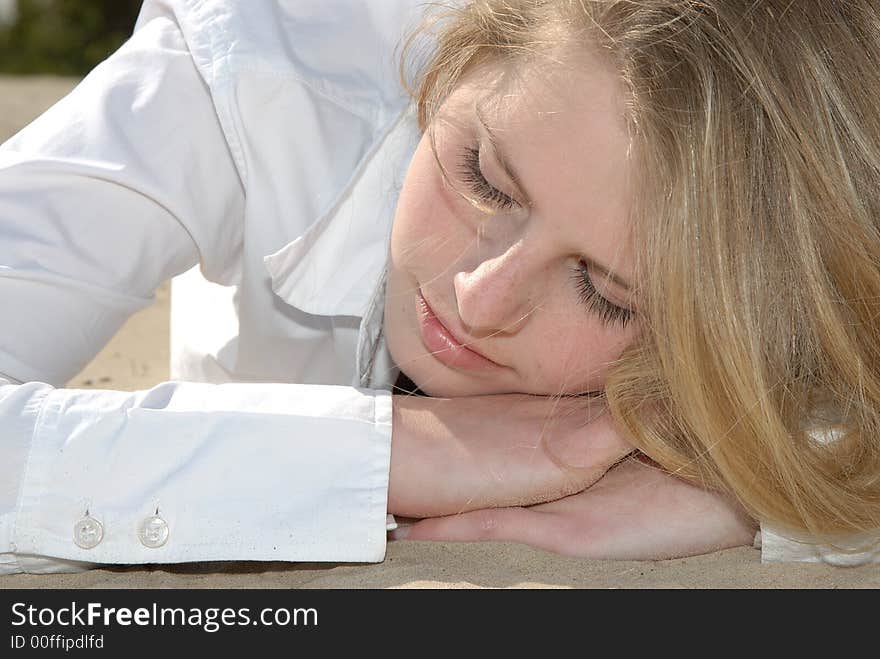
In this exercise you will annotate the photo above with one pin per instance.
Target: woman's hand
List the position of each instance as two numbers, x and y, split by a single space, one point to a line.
636 511
452 455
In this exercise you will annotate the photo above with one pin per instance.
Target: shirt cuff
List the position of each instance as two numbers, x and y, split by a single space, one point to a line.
786 547
194 472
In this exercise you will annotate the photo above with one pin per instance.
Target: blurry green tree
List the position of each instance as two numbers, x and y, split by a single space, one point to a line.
64 37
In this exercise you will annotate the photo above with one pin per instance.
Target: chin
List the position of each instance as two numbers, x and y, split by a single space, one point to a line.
439 381
448 383
438 385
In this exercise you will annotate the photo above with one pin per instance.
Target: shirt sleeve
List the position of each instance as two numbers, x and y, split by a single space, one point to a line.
121 185
124 183
778 546
192 472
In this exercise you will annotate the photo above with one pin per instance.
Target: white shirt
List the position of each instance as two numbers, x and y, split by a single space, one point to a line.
253 151
265 142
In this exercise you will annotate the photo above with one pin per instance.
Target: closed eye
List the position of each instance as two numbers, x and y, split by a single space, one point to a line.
610 314
485 192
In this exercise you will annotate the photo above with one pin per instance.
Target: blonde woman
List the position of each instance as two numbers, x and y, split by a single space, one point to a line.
626 249
725 156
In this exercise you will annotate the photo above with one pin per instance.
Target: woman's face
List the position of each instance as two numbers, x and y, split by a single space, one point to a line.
514 295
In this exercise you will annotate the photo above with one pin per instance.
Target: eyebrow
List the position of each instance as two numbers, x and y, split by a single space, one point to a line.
495 143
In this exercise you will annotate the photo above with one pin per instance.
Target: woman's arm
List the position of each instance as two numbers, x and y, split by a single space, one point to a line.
121 185
460 454
124 183
635 512
233 471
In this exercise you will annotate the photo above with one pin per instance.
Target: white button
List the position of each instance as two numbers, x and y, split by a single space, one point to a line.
88 532
153 532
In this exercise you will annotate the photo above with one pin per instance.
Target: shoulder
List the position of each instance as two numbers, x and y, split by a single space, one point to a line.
346 50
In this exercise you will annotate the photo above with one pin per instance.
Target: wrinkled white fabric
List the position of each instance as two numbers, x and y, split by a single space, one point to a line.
240 147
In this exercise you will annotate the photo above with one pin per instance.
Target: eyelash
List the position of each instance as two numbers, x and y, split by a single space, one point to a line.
485 191
610 314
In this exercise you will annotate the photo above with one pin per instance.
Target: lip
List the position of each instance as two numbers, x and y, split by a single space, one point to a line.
443 344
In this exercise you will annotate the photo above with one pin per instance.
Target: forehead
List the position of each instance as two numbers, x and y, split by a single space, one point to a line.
560 122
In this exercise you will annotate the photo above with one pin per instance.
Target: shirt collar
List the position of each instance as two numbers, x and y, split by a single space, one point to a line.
332 269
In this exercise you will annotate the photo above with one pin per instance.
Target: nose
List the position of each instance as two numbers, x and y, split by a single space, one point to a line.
498 295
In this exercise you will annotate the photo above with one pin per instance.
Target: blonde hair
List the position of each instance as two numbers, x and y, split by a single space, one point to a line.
757 148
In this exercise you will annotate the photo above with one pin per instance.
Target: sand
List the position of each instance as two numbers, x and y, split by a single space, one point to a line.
137 358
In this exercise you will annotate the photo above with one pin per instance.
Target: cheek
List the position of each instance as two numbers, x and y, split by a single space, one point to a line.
430 221
573 353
